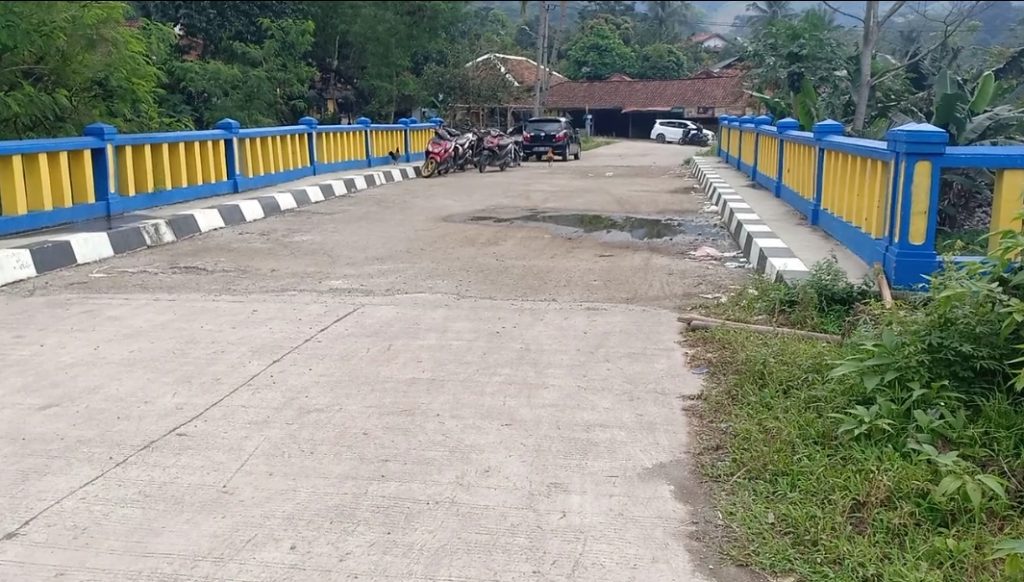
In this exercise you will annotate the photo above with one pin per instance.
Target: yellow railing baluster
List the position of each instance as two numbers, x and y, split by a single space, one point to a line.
125 171
179 164
142 162
194 163
37 182
162 167
1006 203
60 179
208 159
221 165
12 186
83 189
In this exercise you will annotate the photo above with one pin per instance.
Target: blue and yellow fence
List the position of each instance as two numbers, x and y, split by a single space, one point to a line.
879 198
49 182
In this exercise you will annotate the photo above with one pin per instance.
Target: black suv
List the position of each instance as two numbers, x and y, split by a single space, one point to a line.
551 133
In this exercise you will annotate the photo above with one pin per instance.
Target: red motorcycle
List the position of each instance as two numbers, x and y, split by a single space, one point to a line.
440 154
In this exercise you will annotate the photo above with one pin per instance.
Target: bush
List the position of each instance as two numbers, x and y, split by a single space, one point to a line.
893 457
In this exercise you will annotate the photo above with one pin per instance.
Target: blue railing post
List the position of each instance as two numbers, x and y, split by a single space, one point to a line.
366 122
722 127
758 122
104 166
914 205
405 122
311 123
230 148
783 125
821 130
742 123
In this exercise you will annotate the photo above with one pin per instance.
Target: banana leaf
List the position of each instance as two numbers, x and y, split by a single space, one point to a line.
983 92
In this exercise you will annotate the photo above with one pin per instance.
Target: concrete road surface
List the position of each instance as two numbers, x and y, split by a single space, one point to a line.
393 386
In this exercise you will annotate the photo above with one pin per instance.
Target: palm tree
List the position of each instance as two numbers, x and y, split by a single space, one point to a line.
668 18
764 13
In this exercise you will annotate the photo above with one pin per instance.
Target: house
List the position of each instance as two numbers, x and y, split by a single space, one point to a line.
709 41
522 74
629 108
620 77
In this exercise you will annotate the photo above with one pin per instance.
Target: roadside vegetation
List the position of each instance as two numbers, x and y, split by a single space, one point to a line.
893 455
590 142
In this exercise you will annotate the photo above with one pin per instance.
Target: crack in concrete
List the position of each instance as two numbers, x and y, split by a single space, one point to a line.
18 530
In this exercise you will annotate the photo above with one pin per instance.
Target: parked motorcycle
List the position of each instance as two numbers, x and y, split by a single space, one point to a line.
440 155
467 149
694 137
498 150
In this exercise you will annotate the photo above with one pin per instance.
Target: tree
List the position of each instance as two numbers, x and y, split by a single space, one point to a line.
761 14
67 64
666 21
218 24
803 62
661 61
256 84
597 52
953 17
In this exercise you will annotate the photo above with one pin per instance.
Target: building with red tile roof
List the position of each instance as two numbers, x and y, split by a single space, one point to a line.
629 108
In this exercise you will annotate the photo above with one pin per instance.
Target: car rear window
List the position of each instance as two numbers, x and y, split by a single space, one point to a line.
545 125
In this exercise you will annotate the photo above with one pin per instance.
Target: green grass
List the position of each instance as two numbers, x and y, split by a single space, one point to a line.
591 142
808 502
967 243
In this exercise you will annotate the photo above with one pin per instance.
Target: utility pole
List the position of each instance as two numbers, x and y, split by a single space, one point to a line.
542 45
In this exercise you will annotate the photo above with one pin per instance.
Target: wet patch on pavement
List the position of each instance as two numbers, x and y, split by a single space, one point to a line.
675 231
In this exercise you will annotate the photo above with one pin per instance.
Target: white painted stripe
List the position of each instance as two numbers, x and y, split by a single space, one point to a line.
739 205
314 193
89 246
396 174
786 264
747 216
338 187
15 265
770 243
207 218
285 200
410 172
757 227
732 197
157 232
251 209
360 182
727 190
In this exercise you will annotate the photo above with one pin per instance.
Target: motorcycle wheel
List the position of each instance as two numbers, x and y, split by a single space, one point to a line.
429 167
502 166
482 163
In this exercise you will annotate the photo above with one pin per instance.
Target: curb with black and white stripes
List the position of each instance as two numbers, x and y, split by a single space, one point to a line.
765 250
68 250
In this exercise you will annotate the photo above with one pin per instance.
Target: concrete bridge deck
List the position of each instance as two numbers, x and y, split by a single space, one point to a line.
376 387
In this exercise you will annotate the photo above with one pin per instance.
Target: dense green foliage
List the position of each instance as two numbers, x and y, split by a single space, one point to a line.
895 456
168 64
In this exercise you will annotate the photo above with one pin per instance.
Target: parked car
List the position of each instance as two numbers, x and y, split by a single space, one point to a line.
671 130
551 133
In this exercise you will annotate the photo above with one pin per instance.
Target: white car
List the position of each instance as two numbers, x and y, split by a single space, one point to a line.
671 130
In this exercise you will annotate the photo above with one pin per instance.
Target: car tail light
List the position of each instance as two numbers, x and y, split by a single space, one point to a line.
561 137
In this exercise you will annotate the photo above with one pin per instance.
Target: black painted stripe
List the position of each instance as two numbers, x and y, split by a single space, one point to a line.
419 171
231 214
301 197
762 263
50 255
371 180
388 177
327 190
350 185
748 244
778 252
126 239
183 225
269 204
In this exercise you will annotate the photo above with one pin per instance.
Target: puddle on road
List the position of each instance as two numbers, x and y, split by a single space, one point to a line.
613 227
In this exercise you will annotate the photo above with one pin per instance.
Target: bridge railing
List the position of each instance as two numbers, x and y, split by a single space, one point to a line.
50 182
879 198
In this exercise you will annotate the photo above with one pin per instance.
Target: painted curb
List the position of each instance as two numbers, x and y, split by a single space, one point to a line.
68 250
765 250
